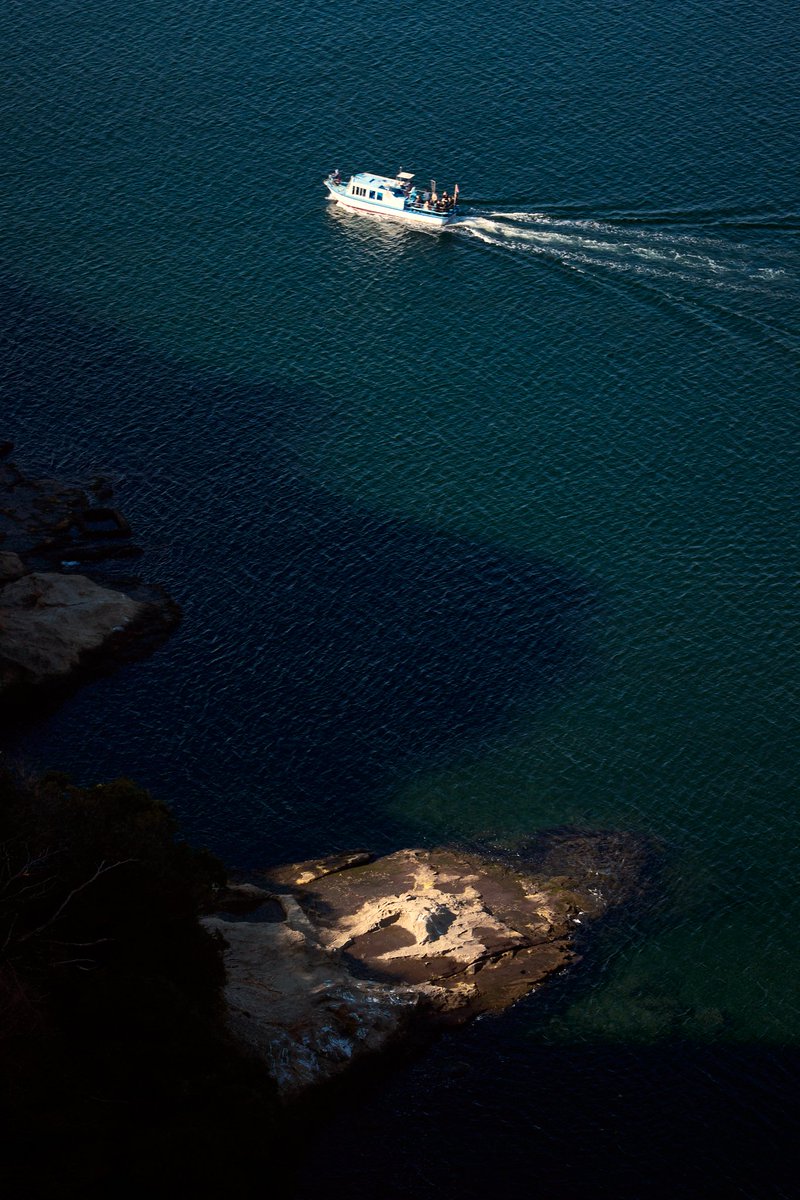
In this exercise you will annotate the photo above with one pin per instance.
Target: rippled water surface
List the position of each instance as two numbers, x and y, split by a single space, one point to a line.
474 533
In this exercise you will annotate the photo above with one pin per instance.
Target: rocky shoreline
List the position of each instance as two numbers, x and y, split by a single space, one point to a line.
59 625
331 961
335 960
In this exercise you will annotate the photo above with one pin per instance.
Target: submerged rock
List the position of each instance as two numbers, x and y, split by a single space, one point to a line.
368 951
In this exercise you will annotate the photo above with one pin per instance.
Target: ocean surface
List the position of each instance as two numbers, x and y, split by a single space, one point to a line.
474 533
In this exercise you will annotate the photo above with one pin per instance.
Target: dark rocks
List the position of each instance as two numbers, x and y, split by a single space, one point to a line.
59 628
42 519
99 521
102 488
11 567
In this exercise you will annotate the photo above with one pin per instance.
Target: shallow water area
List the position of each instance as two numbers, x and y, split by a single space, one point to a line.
475 533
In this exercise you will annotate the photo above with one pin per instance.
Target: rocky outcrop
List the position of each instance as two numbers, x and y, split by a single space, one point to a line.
47 522
340 958
57 626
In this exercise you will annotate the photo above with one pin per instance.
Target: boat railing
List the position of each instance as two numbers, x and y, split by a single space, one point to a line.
429 205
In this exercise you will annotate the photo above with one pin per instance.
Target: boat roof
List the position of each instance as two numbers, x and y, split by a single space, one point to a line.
367 179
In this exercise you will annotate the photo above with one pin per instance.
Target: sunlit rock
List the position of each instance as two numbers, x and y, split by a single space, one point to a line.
364 952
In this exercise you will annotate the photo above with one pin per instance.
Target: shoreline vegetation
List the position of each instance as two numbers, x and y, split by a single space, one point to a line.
161 1019
117 1066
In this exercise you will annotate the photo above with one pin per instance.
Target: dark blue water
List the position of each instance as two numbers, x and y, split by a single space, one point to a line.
474 533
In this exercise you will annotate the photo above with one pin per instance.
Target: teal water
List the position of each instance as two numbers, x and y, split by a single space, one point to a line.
475 534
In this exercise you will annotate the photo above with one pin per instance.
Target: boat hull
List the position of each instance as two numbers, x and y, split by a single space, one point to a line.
419 217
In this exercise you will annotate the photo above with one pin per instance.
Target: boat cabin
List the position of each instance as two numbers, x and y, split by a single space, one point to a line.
380 189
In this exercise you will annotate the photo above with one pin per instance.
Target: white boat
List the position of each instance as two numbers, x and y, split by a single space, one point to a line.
397 197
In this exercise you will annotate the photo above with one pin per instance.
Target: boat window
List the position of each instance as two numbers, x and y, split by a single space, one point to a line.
372 194
380 195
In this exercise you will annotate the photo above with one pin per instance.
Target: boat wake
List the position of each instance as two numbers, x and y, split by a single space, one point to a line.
731 271
622 246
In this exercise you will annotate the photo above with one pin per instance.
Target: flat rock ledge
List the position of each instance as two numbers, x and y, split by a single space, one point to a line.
340 958
59 626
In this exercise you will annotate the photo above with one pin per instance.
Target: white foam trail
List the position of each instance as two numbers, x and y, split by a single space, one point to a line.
602 245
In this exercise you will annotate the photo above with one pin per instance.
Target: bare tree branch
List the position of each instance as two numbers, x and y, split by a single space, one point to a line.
37 885
10 934
95 942
103 869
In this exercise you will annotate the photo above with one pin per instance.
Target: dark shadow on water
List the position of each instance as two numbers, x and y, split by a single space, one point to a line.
327 648
356 647
389 645
485 1114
